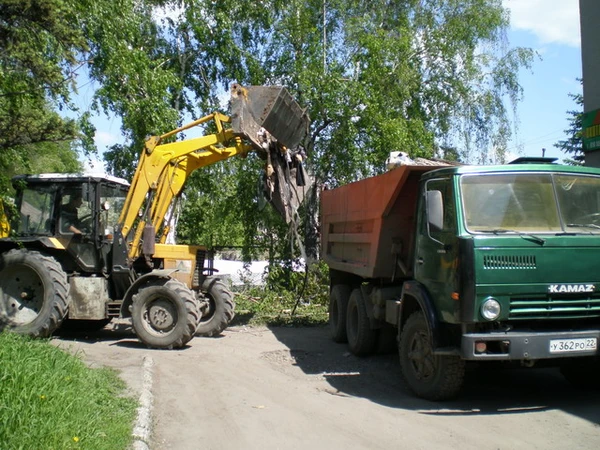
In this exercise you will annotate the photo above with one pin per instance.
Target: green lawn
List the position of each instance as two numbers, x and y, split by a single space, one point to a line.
51 400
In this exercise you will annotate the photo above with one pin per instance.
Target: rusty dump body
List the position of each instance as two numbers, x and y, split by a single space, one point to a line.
369 224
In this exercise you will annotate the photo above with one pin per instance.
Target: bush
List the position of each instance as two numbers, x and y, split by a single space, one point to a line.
289 297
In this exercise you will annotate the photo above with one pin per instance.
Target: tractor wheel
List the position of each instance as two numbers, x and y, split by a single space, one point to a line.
219 310
362 339
165 314
34 291
432 377
338 307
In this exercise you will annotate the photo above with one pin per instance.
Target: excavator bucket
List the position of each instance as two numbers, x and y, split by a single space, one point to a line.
272 108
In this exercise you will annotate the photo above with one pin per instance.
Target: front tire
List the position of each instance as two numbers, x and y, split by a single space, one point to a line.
34 291
165 314
362 340
429 376
219 311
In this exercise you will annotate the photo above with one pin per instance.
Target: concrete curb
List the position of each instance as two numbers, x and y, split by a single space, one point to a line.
142 428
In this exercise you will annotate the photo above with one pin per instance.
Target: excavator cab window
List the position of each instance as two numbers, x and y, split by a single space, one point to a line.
36 207
76 215
112 200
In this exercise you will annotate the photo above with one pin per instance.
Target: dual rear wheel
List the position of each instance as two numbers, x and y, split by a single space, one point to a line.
430 376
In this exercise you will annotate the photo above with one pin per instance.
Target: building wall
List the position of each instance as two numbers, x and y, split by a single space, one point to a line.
589 11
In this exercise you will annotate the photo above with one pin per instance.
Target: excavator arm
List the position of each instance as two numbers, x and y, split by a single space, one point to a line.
264 119
4 223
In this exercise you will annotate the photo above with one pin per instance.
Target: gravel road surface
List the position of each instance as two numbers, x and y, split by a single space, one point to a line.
293 388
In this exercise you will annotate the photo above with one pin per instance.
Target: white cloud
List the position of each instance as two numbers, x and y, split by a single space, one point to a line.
93 166
175 13
104 139
551 21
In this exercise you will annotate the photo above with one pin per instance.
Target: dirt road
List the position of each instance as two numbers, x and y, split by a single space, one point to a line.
293 388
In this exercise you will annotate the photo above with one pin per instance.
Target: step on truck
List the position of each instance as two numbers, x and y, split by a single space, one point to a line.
465 264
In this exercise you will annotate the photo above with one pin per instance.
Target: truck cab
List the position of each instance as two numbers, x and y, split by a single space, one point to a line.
468 263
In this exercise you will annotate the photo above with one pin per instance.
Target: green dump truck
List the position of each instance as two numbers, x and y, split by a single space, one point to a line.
468 263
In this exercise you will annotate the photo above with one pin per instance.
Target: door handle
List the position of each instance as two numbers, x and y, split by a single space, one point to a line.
420 260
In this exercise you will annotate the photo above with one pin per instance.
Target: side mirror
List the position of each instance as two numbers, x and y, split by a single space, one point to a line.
435 210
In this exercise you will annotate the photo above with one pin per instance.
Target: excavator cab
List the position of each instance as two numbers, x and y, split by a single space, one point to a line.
95 248
68 212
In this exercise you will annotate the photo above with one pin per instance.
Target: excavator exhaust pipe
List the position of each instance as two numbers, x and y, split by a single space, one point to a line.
272 108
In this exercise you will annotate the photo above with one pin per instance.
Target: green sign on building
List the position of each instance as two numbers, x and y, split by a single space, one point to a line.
591 130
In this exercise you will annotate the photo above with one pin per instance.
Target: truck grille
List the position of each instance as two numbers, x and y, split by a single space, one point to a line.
509 262
554 307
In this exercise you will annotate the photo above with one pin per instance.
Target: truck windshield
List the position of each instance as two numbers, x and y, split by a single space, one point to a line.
531 202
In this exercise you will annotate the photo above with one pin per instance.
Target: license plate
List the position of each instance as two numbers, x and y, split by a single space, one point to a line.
572 345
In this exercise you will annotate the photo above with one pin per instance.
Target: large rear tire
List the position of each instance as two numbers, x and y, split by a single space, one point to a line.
219 310
362 340
33 293
165 314
338 307
432 377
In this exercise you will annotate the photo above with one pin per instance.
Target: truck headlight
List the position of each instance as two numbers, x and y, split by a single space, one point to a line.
490 309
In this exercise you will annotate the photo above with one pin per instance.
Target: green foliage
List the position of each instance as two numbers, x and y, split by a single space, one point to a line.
288 297
375 76
573 145
40 47
50 399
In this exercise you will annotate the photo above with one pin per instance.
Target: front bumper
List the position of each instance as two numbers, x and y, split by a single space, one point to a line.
517 345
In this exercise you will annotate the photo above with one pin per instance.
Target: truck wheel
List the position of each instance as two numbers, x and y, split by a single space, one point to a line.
34 291
432 377
219 310
362 340
582 373
165 315
338 307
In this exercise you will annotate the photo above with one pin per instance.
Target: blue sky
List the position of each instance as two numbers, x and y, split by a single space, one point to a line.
550 27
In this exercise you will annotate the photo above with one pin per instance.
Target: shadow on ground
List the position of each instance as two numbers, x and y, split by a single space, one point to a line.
120 331
488 390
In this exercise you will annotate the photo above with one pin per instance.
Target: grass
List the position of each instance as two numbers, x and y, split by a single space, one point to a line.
51 400
274 303
261 308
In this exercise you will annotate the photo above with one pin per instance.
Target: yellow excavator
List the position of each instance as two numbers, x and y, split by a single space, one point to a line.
87 249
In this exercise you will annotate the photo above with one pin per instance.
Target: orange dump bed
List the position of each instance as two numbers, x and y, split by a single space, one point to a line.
368 225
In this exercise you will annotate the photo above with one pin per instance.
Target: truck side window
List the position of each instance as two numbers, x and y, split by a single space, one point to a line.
434 189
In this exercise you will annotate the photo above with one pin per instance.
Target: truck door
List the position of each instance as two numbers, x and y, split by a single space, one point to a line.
437 246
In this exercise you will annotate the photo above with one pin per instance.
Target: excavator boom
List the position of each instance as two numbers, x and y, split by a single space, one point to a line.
265 119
